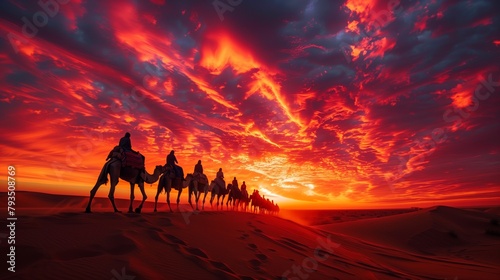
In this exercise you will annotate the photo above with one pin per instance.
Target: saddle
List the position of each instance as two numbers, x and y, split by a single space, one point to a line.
174 172
128 158
200 178
219 181
134 160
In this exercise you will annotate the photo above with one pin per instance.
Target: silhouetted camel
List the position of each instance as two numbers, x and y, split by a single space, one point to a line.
233 197
244 200
255 199
262 205
196 187
132 175
167 182
218 188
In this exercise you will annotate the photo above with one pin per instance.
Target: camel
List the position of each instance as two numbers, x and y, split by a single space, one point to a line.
234 196
196 188
132 175
255 199
264 205
208 188
244 200
167 182
218 188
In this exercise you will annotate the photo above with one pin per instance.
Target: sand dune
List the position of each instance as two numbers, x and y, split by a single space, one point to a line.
62 242
438 233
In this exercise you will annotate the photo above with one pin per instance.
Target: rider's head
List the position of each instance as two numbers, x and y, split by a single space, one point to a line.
127 134
199 161
172 152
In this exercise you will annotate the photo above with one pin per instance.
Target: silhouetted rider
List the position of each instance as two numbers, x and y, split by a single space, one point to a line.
125 143
220 174
171 161
198 168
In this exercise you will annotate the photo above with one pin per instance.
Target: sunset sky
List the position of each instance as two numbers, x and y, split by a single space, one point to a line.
319 104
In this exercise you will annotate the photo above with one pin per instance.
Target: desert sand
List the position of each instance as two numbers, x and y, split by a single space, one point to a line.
56 240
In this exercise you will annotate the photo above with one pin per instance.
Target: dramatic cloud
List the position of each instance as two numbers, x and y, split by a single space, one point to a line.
316 103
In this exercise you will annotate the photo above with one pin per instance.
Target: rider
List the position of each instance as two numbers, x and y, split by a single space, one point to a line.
244 189
126 146
220 174
198 172
235 182
198 168
220 178
171 161
125 143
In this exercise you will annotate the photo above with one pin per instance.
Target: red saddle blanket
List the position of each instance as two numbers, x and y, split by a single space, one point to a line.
134 160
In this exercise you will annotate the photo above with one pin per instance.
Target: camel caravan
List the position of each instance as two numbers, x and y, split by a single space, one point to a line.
129 165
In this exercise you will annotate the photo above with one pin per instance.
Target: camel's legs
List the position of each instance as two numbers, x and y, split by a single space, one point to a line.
204 197
190 202
179 198
212 196
168 199
144 197
222 202
111 194
191 191
189 197
198 194
157 195
92 194
132 196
